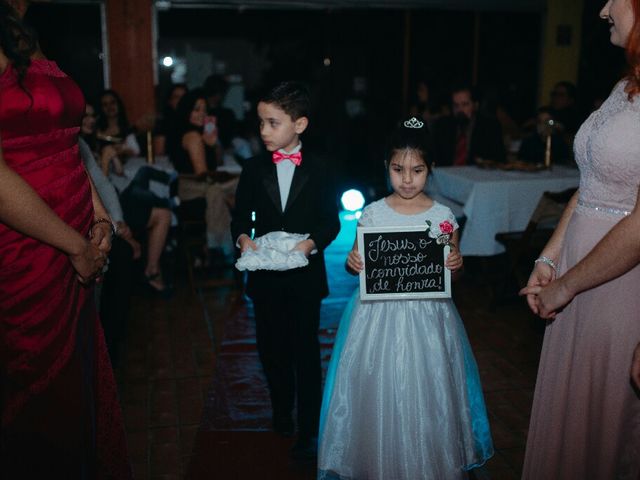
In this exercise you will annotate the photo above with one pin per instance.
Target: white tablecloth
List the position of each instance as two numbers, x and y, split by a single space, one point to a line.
495 201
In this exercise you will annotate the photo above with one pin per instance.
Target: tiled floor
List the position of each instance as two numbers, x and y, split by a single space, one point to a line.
170 357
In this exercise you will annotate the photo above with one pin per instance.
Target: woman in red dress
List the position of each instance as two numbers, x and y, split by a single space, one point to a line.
60 416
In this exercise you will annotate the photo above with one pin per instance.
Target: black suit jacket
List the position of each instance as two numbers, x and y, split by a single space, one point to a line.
311 208
486 141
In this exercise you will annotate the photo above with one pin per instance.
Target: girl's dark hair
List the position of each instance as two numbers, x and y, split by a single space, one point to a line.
102 122
17 40
292 97
411 134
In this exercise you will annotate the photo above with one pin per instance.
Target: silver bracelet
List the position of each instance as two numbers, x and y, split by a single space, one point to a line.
546 260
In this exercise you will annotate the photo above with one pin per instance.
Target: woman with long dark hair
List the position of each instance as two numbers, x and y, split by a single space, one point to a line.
114 133
196 154
60 413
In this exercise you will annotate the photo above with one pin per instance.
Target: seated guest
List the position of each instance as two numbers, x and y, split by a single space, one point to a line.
167 121
149 217
88 128
215 90
429 104
196 155
533 147
468 135
116 139
114 292
144 216
564 109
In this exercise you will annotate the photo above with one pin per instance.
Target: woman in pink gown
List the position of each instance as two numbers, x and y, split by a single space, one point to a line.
585 422
60 413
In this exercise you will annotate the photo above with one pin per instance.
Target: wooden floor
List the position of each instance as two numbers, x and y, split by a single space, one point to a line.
169 360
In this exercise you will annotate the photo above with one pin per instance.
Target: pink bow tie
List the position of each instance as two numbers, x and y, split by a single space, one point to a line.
296 158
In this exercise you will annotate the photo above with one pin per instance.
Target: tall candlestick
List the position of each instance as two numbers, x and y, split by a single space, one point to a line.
547 153
149 147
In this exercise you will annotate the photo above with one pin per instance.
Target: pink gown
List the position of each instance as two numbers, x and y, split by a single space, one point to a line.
585 422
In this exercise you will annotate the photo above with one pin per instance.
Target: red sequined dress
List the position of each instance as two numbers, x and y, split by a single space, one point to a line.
57 392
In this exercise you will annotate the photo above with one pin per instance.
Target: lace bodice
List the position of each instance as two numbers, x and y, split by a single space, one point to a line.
380 214
607 150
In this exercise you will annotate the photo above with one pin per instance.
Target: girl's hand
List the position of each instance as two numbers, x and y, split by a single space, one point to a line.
88 263
354 262
454 260
541 276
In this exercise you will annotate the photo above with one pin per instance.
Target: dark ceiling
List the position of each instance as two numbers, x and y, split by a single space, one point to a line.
478 5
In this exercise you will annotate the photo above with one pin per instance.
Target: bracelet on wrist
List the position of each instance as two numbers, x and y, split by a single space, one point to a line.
114 229
547 261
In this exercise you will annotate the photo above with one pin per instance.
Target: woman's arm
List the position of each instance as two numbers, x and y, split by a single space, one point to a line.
101 231
194 145
635 367
617 253
32 217
543 273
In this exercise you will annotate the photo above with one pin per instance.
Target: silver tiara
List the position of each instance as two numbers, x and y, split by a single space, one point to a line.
413 123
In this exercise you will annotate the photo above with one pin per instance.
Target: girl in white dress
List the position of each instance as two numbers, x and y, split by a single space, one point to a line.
402 398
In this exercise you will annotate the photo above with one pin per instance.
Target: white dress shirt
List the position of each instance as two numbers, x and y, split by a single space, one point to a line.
285 170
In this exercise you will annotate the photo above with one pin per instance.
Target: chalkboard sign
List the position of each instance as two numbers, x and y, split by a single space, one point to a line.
402 263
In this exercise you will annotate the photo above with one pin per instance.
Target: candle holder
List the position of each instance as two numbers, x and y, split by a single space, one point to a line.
547 150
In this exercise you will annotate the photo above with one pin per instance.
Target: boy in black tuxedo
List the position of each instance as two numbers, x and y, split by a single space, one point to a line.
289 190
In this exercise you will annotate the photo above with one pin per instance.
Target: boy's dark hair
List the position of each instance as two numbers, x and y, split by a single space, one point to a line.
292 97
411 134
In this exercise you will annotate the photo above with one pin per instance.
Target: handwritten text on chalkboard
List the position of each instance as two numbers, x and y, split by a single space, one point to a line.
402 262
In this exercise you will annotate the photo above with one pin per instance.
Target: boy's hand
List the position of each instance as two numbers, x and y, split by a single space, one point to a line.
454 260
246 243
354 262
306 247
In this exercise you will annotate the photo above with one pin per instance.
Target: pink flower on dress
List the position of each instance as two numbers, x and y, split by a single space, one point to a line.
446 227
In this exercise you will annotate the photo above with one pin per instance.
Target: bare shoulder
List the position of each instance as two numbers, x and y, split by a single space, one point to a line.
192 139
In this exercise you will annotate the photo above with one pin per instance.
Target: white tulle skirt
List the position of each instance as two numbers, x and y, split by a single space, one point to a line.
402 398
